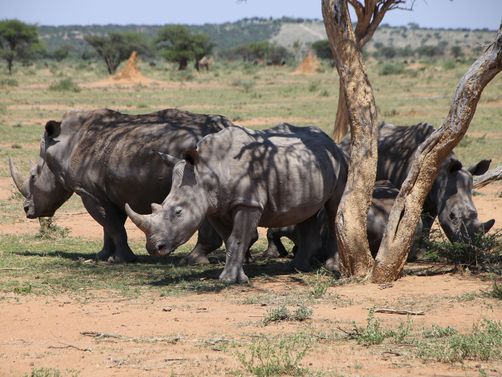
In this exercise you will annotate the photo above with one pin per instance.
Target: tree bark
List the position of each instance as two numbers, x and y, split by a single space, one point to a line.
342 117
404 215
369 16
355 256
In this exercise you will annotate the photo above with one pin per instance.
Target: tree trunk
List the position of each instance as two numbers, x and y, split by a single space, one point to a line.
355 256
9 65
183 64
342 117
406 211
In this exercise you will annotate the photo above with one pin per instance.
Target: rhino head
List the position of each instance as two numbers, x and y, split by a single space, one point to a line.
456 211
43 193
173 222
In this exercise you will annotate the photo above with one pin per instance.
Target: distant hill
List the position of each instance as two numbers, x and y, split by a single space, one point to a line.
287 32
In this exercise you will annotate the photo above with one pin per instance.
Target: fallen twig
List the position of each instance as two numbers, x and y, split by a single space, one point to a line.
95 334
397 311
70 346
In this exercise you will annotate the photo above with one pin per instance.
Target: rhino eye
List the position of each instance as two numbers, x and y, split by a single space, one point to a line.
178 211
452 216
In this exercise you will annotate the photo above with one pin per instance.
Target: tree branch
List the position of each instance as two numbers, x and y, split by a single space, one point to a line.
425 167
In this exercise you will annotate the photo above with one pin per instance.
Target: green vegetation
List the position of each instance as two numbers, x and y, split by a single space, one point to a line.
282 313
276 357
66 84
180 45
484 342
52 372
322 49
17 41
115 48
483 253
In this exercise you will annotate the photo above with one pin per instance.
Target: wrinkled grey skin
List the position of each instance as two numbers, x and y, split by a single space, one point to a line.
242 179
107 158
384 195
450 198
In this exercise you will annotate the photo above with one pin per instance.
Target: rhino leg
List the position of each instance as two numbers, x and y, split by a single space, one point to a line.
112 220
332 262
208 240
108 248
275 247
309 241
244 224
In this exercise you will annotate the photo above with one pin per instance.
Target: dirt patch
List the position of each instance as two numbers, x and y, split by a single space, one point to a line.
6 188
309 65
127 76
108 335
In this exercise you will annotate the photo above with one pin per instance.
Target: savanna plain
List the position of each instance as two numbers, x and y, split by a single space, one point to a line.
63 314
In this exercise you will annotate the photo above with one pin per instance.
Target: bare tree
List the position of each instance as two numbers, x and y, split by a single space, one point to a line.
370 14
355 257
408 205
353 246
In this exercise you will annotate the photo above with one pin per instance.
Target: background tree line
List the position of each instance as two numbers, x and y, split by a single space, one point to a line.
251 40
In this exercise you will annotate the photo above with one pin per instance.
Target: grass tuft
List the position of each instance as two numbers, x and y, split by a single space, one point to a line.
65 85
282 313
276 357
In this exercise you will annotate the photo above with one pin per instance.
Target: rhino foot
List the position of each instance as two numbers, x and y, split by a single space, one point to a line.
192 259
234 275
300 265
104 255
273 252
333 264
118 258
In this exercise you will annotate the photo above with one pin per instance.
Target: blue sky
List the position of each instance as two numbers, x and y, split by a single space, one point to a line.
430 13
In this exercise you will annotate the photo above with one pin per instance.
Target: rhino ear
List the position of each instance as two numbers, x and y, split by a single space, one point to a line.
455 165
192 156
480 168
52 129
168 159
183 175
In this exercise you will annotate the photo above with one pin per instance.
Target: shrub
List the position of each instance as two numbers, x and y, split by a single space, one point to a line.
276 357
391 69
66 84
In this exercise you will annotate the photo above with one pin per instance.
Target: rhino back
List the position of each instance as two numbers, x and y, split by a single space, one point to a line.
396 148
288 171
112 154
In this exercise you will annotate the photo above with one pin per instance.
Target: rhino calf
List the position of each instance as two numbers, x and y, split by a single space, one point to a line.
106 158
241 179
384 195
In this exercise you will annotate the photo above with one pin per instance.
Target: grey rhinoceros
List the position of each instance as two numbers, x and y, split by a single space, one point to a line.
384 195
450 198
107 158
241 179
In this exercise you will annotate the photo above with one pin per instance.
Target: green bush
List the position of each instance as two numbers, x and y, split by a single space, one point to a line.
391 69
65 85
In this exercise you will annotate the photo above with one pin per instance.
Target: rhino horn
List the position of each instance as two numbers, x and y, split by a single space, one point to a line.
488 225
21 184
156 207
141 221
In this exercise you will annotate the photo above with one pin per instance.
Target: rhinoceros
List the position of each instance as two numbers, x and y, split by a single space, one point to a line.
107 158
241 179
384 195
450 198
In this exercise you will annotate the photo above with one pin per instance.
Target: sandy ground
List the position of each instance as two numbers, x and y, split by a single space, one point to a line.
184 336
108 335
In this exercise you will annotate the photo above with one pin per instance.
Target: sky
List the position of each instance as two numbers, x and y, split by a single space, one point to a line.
427 13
